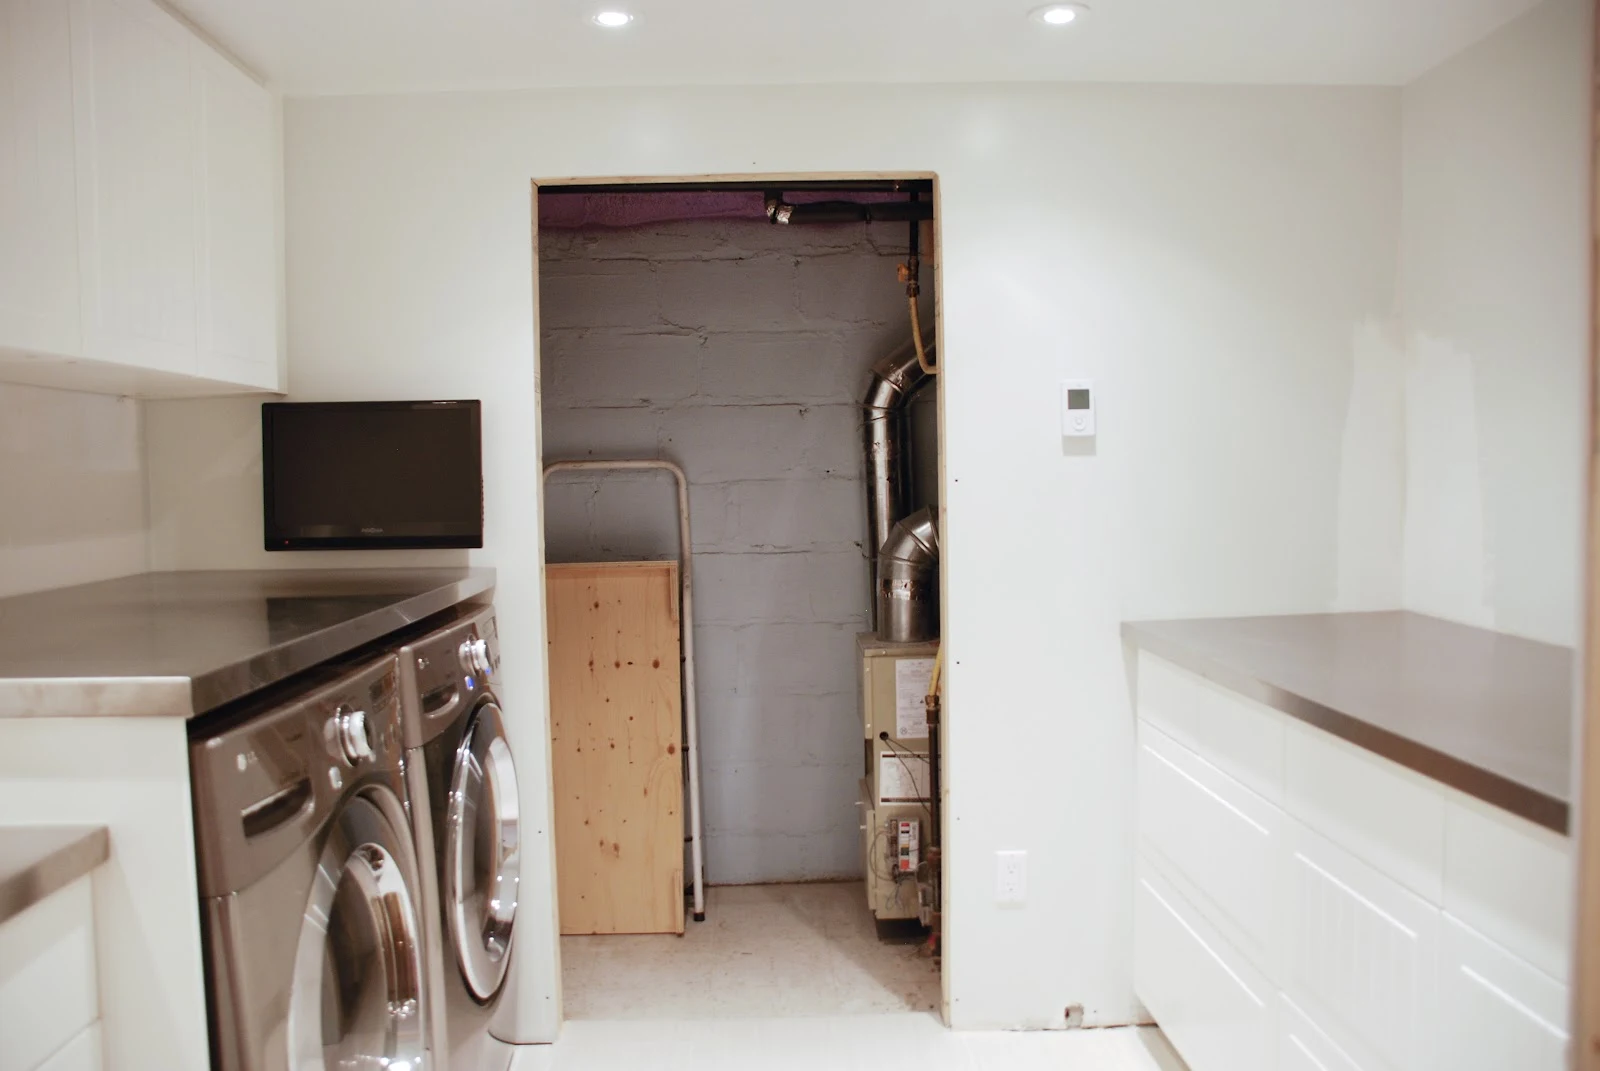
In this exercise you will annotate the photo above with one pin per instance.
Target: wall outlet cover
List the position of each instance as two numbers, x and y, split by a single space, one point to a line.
1011 877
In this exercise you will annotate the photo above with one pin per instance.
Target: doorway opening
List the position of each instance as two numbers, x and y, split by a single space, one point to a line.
741 431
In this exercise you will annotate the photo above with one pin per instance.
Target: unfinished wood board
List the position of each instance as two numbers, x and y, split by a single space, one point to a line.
616 746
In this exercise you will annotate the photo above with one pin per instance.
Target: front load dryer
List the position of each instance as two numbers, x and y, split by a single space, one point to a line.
312 896
462 778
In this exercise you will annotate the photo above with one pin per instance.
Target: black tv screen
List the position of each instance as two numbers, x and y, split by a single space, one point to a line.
348 475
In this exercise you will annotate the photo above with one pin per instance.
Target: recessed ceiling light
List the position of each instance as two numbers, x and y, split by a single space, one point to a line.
1059 14
613 20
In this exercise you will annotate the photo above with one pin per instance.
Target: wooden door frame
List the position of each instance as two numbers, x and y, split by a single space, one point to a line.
933 256
1585 827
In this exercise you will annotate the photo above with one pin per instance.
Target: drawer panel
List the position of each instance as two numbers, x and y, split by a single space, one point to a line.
1223 839
1302 1046
1361 951
1240 737
1510 880
82 1053
1377 811
48 988
1215 1007
1496 1011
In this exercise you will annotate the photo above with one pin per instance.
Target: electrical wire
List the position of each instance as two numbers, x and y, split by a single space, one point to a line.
895 749
893 877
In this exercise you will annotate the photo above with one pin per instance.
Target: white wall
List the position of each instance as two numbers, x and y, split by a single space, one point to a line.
1209 256
72 491
1494 324
741 351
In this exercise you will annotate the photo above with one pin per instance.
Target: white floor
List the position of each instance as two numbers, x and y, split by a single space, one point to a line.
848 1043
764 952
790 976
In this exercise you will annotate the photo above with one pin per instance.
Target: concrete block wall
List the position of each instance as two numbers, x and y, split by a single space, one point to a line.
741 351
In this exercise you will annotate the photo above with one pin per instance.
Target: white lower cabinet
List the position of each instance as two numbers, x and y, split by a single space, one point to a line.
1302 1046
1352 917
1498 1012
82 1053
1361 950
1223 839
49 984
1213 1005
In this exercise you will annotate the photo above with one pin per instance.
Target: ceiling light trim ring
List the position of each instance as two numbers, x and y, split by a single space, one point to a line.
1057 16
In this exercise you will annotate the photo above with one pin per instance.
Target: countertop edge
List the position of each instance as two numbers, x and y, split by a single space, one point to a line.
74 851
96 697
228 683
1485 785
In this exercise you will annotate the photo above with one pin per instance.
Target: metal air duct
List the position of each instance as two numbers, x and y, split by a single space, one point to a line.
895 381
908 580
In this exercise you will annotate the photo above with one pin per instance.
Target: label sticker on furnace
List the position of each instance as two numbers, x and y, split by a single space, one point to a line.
911 678
902 777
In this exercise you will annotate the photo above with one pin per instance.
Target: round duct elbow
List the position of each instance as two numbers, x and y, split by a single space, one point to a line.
908 580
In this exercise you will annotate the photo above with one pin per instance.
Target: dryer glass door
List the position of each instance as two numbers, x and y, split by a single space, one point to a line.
357 993
482 865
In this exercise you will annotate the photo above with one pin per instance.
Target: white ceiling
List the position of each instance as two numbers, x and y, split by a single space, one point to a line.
386 46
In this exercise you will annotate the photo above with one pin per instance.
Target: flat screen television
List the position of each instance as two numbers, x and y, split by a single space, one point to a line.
371 475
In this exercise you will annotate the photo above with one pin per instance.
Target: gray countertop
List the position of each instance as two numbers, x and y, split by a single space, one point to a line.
36 861
180 644
1483 712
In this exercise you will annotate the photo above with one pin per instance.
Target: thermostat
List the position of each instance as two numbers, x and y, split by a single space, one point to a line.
1077 407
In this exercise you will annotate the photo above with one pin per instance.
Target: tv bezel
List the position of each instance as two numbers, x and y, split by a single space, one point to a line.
275 538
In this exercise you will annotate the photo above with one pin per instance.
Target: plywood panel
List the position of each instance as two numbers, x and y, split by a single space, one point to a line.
616 728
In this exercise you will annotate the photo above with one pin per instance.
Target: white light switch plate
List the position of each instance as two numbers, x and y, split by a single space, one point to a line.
1010 877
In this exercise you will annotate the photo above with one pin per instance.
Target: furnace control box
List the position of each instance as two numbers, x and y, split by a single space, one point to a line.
896 787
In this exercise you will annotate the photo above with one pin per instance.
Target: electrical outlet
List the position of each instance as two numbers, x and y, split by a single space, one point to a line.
1010 877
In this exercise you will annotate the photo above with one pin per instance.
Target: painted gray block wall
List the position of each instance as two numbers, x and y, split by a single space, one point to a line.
741 351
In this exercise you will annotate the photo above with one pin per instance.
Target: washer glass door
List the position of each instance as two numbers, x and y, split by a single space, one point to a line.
357 995
482 865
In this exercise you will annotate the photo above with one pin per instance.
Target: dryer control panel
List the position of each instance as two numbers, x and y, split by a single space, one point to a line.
442 672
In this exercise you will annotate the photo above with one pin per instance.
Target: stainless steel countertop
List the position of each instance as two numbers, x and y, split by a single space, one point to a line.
1483 712
36 861
180 644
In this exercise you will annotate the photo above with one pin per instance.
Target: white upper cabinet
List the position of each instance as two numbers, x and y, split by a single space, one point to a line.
39 308
138 232
237 252
137 188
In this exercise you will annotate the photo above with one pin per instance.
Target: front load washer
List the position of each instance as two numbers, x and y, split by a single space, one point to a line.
461 775
312 896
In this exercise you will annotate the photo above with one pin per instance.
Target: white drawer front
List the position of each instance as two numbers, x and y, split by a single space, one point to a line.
1497 1013
1362 951
1377 811
82 1053
1242 738
1304 1047
1215 1007
48 988
1511 881
1221 837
